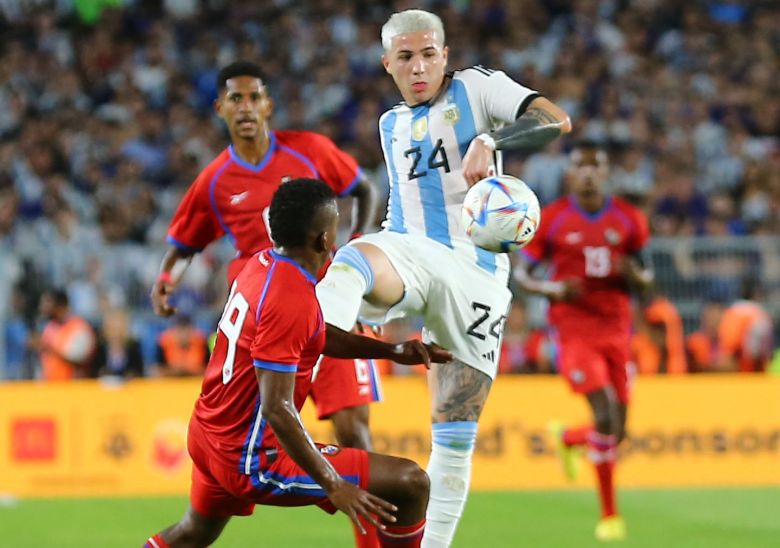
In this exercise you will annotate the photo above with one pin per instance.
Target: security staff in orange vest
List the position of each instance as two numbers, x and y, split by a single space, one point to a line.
658 345
67 343
182 349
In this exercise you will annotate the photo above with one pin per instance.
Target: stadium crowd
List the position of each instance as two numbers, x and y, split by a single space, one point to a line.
106 117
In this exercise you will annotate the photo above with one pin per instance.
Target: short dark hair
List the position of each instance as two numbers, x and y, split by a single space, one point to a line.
294 208
58 296
238 68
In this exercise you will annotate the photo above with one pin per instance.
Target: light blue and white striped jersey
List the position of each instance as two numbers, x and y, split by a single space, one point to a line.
424 146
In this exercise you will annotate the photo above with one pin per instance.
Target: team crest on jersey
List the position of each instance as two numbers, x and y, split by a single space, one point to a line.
330 450
451 114
419 129
236 199
612 236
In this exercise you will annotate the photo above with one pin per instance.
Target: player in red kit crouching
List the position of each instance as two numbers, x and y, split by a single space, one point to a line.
592 243
246 439
231 197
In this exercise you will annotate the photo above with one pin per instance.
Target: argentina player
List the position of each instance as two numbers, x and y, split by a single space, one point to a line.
446 135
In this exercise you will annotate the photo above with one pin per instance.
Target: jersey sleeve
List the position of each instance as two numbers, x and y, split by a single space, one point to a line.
284 327
501 98
194 225
337 168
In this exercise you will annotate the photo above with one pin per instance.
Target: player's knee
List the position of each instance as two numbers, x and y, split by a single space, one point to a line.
352 257
341 291
414 480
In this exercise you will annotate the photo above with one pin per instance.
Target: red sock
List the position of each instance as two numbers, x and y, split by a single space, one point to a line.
156 542
402 536
370 539
602 450
576 436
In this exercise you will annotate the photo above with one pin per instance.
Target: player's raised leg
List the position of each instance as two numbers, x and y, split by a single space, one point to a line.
458 395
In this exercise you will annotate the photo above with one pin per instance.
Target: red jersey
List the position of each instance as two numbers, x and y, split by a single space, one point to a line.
231 197
588 247
272 320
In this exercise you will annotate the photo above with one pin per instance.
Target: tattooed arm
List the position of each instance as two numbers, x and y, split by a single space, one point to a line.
541 123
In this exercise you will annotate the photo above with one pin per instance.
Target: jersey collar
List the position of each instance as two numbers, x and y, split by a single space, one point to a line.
296 264
591 216
266 158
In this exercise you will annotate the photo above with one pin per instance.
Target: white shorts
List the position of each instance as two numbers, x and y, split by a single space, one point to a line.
463 306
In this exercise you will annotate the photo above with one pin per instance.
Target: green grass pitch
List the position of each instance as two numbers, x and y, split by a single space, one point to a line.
710 518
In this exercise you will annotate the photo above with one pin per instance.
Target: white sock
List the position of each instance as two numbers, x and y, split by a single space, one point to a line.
341 290
449 469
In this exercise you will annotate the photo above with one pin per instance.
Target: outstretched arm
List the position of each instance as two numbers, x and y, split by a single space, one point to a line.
540 124
341 344
366 200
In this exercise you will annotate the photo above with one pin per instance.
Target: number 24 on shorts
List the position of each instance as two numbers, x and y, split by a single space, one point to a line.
477 330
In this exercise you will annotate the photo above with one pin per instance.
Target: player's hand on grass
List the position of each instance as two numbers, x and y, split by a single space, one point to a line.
354 501
161 292
416 352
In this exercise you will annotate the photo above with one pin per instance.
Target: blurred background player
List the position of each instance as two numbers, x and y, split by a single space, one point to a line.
232 196
444 137
592 242
246 438
67 342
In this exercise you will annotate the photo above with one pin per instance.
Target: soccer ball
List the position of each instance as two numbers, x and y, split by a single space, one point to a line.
501 214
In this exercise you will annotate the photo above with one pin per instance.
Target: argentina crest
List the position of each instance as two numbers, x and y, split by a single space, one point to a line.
451 114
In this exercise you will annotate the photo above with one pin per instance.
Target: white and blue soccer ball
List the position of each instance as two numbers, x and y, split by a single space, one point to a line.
501 213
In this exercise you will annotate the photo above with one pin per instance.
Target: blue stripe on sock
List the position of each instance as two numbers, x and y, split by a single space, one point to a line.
353 257
461 435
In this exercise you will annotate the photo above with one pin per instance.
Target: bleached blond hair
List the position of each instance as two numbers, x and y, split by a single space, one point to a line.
410 21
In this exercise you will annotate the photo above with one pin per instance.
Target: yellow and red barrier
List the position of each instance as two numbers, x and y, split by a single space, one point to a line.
87 438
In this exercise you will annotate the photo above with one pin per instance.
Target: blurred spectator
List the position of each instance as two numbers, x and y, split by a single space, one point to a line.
106 118
523 349
17 340
67 342
736 338
182 349
744 334
702 345
658 344
680 204
118 353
